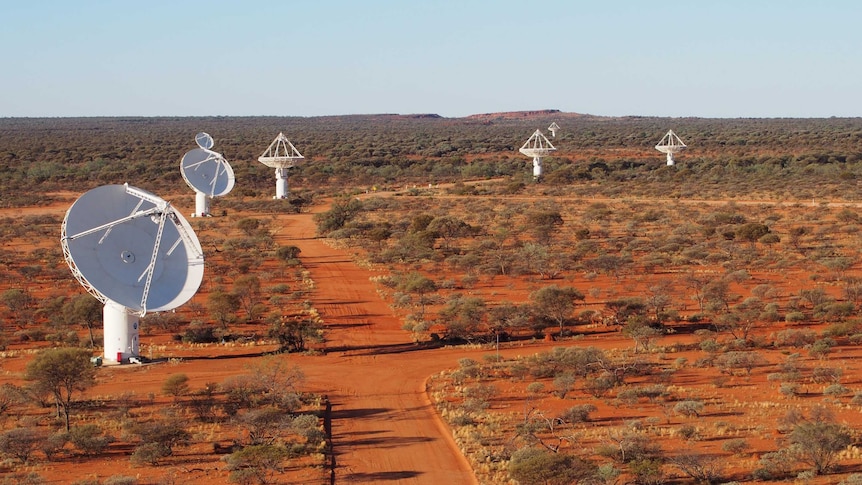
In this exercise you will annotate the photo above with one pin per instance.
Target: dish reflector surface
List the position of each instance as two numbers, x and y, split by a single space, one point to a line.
131 247
207 172
204 140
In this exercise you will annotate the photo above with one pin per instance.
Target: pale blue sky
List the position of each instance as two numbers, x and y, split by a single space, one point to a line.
730 58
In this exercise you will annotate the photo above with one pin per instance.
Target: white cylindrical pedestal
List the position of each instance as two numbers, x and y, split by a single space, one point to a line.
202 204
537 167
121 333
669 159
280 183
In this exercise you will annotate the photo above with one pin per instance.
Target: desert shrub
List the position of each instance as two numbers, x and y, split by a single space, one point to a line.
120 480
745 360
688 432
199 334
628 395
308 426
535 387
735 446
53 444
821 348
281 288
563 384
10 395
287 253
518 370
627 446
578 414
826 374
775 465
532 466
157 439
834 311
90 439
27 478
710 345
794 317
599 386
150 453
789 389
607 473
264 425
20 443
689 408
835 390
700 467
176 385
818 443
341 212
853 479
257 463
857 399
841 329
476 397
492 358
652 392
797 338
647 471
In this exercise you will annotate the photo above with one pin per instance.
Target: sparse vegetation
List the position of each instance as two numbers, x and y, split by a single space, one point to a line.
665 315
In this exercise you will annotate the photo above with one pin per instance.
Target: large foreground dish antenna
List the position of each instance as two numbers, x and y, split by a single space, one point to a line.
281 155
537 146
670 144
135 253
553 129
207 172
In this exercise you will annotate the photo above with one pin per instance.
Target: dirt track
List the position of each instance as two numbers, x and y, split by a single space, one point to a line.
384 428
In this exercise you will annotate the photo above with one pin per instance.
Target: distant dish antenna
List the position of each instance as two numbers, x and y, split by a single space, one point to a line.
281 155
537 147
204 140
670 144
553 129
207 172
135 253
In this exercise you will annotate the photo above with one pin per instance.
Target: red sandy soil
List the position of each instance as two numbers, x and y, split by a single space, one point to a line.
384 428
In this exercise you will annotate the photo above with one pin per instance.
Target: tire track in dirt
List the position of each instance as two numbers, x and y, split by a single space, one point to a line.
384 427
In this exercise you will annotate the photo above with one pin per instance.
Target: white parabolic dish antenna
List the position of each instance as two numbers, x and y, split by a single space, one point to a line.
134 252
537 147
553 129
207 173
670 144
204 140
281 155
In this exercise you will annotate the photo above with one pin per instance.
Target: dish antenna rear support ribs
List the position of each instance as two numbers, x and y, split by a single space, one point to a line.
281 155
537 146
670 144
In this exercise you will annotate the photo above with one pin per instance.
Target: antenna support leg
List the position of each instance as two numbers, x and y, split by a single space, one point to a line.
121 333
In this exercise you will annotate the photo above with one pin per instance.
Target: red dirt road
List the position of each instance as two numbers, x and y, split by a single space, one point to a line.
384 428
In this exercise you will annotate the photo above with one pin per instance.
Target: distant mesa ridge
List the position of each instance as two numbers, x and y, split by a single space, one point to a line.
483 117
516 114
